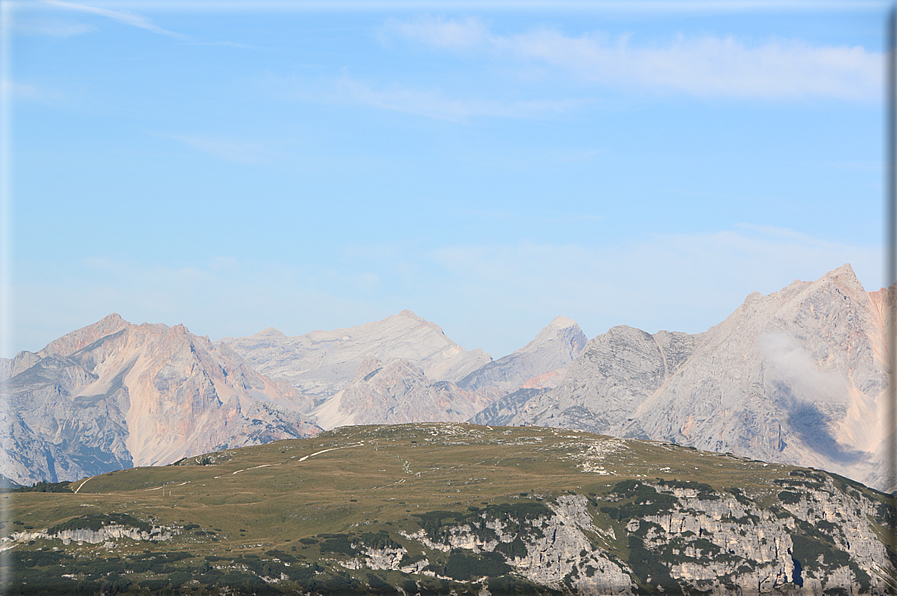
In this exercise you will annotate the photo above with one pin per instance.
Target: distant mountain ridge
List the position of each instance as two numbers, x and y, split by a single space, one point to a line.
321 363
396 392
404 369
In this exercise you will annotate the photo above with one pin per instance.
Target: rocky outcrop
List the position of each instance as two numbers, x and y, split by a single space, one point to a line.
812 535
615 373
321 363
100 535
441 508
113 395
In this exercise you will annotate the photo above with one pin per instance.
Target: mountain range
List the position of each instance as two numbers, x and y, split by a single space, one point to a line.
796 376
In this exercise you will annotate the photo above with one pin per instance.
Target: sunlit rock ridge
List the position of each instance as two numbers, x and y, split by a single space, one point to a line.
113 395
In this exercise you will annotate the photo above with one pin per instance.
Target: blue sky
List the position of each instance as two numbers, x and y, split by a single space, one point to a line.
233 166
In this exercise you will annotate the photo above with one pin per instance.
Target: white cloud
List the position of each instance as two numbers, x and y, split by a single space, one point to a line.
126 18
449 34
705 66
786 360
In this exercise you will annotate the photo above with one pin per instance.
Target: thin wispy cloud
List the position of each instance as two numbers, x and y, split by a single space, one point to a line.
706 66
429 103
434 104
234 150
20 91
230 44
638 7
124 17
52 27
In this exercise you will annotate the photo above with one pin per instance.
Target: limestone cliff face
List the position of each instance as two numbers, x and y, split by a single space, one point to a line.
615 373
796 376
113 395
816 535
541 363
396 392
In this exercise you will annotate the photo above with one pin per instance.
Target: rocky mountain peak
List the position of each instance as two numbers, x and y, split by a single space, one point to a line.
270 332
794 376
411 315
560 329
395 392
113 394
561 322
369 365
844 274
74 341
540 363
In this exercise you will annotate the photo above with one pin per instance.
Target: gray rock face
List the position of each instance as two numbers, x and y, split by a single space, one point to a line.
552 351
404 369
113 395
396 392
795 377
614 375
321 363
504 411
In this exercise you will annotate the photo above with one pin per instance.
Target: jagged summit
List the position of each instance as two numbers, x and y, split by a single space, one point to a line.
547 356
563 330
71 342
